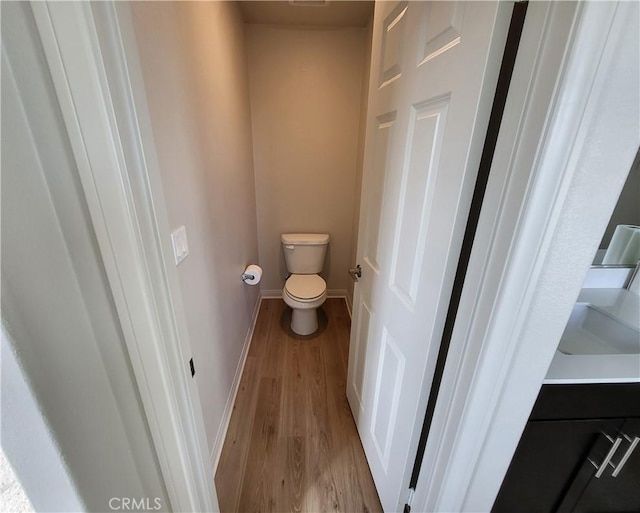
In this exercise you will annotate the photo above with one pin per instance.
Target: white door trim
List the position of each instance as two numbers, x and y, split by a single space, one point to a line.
570 128
81 42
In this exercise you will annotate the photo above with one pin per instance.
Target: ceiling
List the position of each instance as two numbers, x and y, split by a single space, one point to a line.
334 13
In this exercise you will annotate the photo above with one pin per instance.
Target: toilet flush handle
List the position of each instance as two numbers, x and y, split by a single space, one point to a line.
290 246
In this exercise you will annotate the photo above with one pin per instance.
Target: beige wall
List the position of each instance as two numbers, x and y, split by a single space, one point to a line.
193 62
306 87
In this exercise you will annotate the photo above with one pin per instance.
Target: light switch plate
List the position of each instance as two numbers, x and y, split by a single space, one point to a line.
180 245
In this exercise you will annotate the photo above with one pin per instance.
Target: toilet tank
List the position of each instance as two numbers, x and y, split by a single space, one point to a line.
304 252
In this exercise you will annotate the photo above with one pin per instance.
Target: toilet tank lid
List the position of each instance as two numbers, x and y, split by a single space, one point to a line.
305 238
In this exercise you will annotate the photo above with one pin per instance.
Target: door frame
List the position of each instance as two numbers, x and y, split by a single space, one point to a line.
566 127
84 47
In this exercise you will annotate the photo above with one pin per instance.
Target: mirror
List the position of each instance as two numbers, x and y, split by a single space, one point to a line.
620 245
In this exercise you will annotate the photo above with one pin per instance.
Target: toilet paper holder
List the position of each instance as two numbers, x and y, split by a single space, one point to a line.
252 274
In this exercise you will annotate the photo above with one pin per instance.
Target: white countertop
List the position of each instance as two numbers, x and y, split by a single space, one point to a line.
601 368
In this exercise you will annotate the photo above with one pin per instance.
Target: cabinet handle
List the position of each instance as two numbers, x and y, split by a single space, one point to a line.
626 456
607 459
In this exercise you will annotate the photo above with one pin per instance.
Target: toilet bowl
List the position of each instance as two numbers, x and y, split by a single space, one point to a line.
304 290
304 293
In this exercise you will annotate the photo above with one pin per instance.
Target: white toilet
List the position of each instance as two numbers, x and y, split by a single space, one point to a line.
304 291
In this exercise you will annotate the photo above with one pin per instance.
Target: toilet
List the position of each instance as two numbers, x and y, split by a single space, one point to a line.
304 291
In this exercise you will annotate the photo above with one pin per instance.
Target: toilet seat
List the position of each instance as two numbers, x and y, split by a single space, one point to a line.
305 287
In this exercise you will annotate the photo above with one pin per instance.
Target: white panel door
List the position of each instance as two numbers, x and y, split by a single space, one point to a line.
433 64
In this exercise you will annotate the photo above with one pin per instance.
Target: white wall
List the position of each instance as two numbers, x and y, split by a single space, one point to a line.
57 308
193 63
28 443
306 88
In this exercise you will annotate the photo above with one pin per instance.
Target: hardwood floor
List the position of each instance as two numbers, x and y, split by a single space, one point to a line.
292 444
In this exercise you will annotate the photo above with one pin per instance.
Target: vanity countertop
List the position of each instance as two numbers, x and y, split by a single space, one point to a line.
620 304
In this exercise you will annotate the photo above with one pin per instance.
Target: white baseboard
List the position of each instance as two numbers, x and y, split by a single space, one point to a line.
216 451
349 301
273 294
333 293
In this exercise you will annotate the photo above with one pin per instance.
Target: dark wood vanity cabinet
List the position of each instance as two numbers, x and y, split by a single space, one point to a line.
617 489
580 452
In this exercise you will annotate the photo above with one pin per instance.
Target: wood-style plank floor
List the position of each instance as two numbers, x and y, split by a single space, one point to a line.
292 444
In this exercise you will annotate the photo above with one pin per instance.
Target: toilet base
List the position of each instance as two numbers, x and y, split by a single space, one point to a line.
304 321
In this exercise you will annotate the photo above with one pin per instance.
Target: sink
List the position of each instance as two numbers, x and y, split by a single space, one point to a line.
593 331
601 342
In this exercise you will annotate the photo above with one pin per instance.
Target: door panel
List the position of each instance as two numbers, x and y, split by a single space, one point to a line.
357 363
426 129
442 28
422 150
383 135
391 53
391 365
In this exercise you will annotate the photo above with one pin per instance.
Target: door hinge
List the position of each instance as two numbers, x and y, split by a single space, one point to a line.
407 506
191 366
